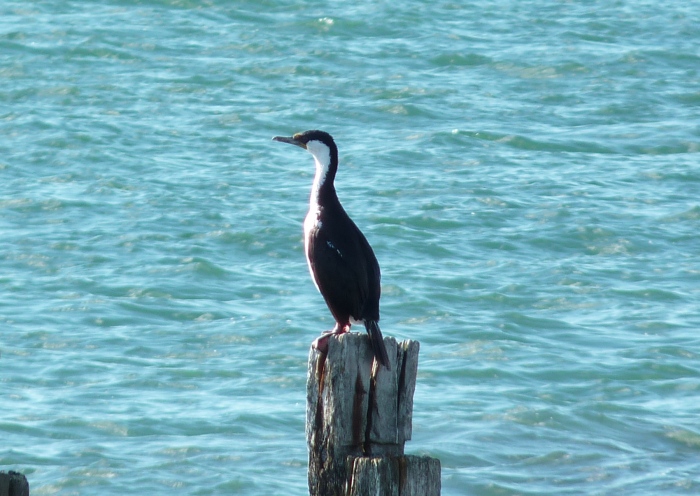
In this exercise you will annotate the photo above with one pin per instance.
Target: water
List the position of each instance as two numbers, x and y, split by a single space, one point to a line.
526 171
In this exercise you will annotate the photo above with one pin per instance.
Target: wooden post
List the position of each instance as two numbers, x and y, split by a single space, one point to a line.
13 484
358 418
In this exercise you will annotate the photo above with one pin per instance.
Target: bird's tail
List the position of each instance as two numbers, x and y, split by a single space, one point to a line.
377 340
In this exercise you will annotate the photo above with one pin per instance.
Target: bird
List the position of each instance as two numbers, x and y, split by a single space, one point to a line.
341 261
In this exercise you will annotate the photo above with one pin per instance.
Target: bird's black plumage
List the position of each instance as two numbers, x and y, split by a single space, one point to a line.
342 263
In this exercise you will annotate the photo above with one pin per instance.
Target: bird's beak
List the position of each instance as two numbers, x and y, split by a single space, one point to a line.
291 141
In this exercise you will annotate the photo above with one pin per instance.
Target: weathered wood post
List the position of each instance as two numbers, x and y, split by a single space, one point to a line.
13 484
358 418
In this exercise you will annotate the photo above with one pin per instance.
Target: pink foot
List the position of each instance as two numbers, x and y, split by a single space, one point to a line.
321 342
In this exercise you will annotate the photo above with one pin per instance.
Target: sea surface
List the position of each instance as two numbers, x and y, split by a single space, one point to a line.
528 173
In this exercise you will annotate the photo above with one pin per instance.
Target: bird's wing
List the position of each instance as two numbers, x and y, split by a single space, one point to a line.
371 304
341 271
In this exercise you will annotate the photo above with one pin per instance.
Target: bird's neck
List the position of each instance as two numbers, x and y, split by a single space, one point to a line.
323 189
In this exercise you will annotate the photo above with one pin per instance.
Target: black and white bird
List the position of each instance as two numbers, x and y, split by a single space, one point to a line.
341 261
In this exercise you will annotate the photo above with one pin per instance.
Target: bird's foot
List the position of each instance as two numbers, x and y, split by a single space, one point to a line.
321 342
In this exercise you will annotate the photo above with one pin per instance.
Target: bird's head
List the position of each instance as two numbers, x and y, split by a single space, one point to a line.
319 143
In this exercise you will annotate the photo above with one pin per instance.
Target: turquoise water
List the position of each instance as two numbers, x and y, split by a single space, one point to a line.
527 172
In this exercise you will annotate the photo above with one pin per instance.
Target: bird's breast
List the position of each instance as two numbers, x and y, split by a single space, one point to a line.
312 223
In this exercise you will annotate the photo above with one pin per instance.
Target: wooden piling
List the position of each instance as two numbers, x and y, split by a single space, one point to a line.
358 418
13 484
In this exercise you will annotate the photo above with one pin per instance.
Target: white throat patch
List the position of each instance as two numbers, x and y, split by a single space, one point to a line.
322 158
